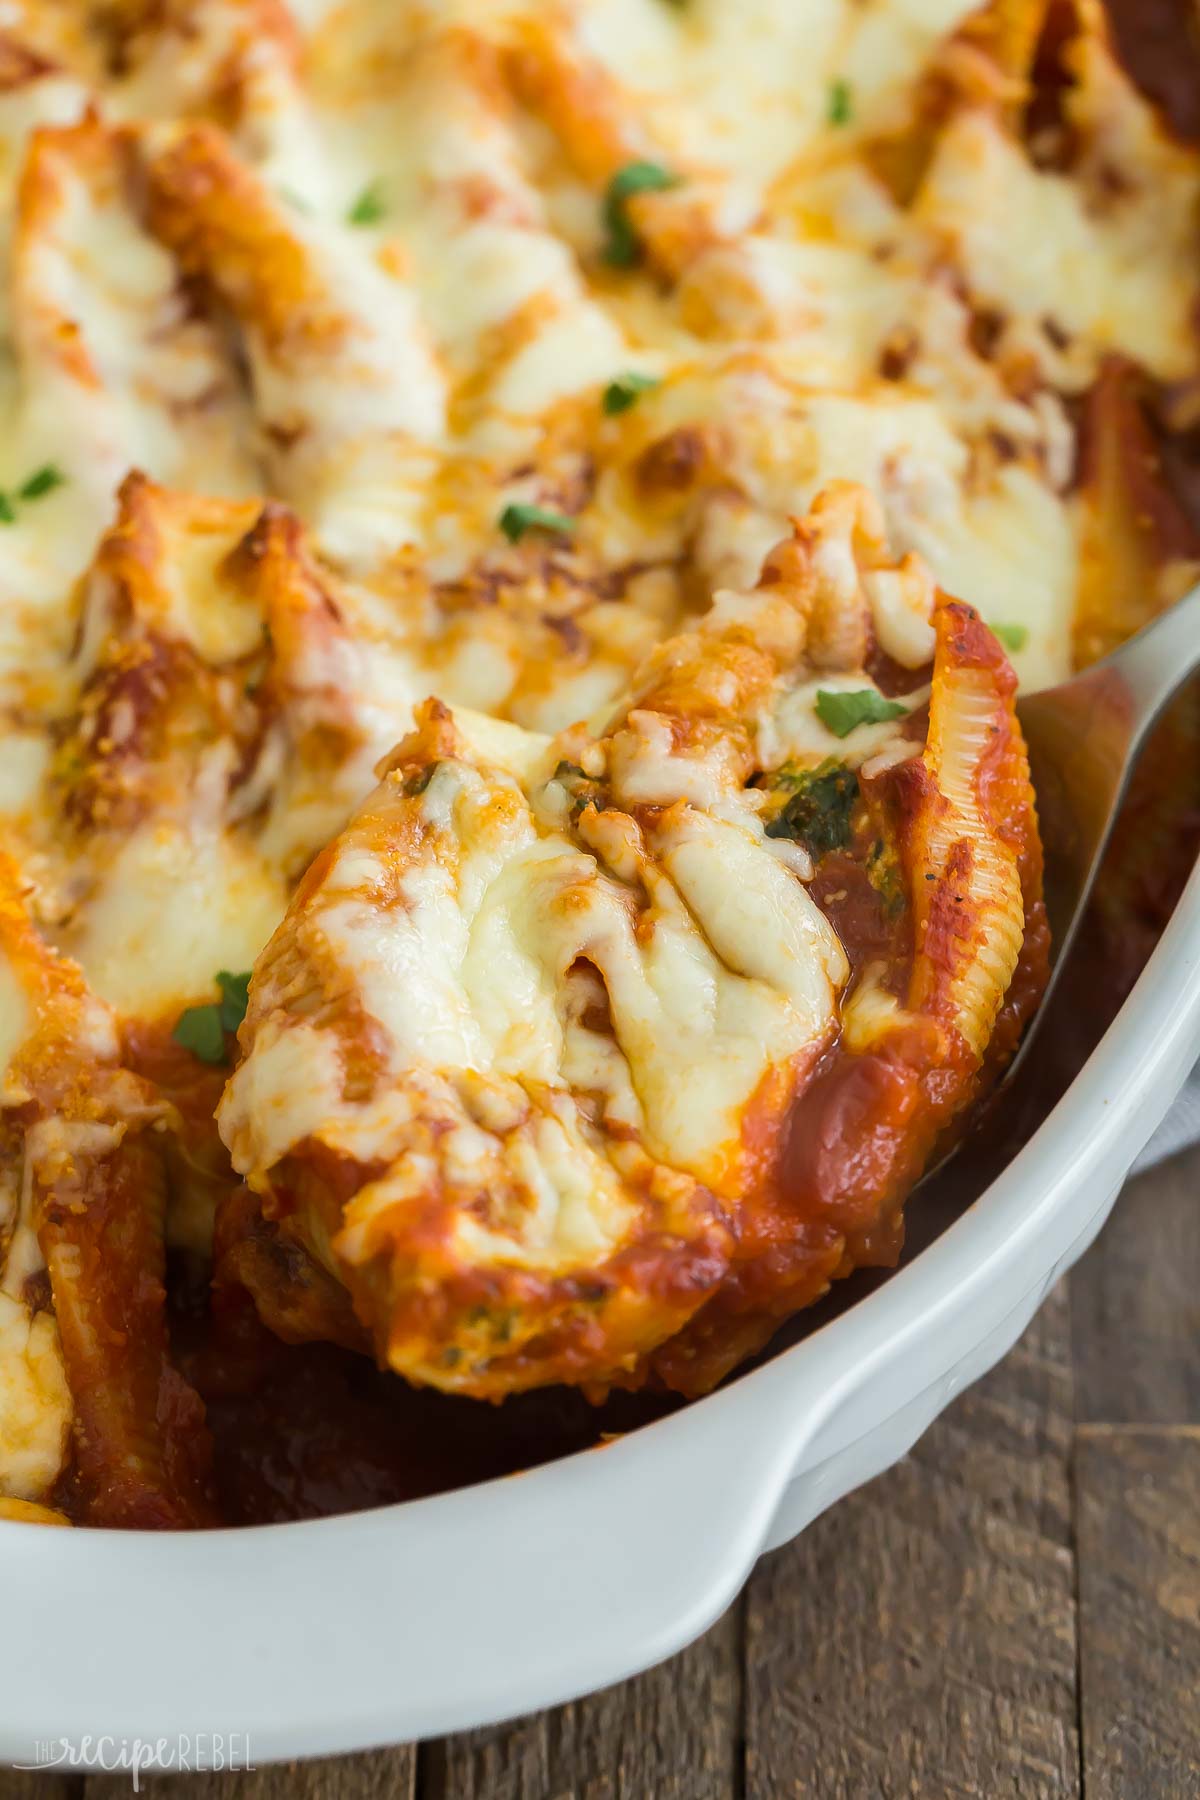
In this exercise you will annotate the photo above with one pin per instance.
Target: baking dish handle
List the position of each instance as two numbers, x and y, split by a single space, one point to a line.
420 1619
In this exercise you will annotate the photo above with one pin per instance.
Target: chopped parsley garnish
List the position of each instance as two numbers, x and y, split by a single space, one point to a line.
201 1029
841 712
623 249
42 481
370 206
235 997
841 102
519 518
817 813
1013 637
621 392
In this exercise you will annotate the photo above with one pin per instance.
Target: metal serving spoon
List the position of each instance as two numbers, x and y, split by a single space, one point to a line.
1084 740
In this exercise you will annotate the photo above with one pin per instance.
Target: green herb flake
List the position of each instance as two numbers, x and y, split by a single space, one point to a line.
818 811
370 206
622 248
1013 637
841 712
840 110
235 997
622 393
519 518
199 1030
42 481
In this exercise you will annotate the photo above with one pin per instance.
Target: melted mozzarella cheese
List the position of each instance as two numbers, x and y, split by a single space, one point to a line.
469 308
170 910
793 730
729 972
1015 557
376 285
747 89
1032 243
35 1402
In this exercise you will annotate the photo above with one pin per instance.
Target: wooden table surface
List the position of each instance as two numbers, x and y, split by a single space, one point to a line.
1014 1610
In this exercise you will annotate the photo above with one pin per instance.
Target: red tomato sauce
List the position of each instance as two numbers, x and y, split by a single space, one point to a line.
1159 44
303 1431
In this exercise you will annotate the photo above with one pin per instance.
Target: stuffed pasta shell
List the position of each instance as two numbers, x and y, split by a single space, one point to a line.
589 1058
91 1406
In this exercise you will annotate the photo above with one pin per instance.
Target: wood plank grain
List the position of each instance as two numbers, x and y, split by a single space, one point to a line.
673 1733
376 1775
31 1784
1138 1516
1135 1304
920 1639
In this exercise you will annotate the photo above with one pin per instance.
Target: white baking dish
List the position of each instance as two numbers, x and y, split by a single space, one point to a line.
450 1612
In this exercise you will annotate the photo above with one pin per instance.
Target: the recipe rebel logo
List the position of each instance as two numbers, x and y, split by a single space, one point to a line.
214 1752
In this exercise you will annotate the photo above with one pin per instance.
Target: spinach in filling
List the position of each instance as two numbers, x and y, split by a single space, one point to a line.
818 808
